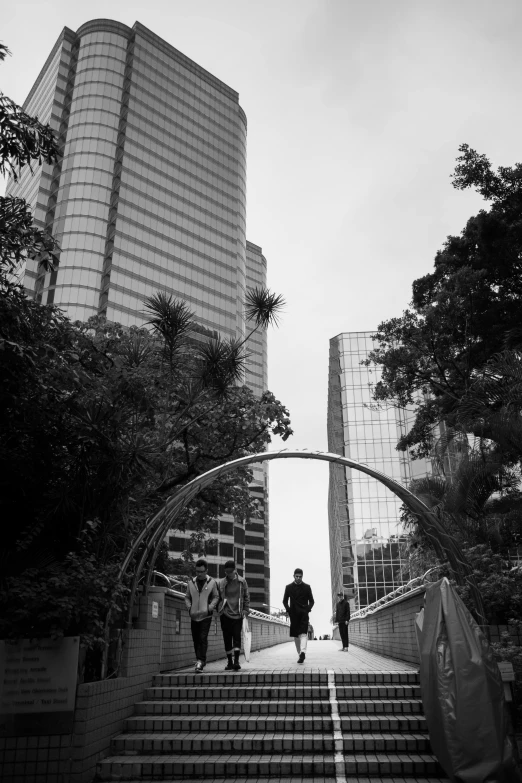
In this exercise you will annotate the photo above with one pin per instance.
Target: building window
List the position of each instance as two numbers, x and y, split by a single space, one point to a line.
177 544
254 568
239 536
226 550
226 528
212 570
254 554
255 581
239 556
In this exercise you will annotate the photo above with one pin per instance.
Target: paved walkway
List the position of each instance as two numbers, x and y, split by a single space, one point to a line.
321 656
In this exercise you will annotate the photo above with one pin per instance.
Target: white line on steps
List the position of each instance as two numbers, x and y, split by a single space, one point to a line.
340 769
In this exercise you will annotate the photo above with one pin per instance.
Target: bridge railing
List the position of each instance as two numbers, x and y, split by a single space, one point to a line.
389 597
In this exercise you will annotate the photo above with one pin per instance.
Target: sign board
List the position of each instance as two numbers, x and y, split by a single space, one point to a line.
38 686
507 671
155 608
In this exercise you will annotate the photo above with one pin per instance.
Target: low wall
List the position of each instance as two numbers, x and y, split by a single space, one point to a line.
154 644
390 630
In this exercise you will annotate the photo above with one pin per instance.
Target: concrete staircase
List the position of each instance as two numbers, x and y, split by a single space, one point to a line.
342 726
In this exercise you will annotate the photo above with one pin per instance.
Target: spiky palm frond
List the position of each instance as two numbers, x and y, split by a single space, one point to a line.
137 350
263 307
222 364
513 339
171 318
429 489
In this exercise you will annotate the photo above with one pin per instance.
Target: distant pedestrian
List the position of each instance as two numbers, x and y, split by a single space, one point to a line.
298 602
201 599
342 617
234 605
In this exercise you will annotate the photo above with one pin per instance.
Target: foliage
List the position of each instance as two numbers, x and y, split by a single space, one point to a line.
21 239
23 139
66 598
108 431
500 586
507 650
462 313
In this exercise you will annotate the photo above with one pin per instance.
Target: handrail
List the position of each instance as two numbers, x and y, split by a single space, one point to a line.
406 588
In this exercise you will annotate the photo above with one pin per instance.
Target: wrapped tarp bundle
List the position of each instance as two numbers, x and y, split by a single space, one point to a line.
462 692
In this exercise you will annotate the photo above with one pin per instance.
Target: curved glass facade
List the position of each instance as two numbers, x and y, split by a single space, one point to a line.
364 516
150 191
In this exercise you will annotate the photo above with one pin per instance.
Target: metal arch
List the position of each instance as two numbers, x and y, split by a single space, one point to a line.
157 525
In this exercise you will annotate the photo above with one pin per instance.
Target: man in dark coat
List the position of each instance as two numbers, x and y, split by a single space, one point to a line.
298 601
342 617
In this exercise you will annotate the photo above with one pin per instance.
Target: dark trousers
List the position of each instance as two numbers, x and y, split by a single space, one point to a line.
200 638
231 633
343 630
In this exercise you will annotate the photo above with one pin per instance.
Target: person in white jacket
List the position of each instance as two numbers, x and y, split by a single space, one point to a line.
201 599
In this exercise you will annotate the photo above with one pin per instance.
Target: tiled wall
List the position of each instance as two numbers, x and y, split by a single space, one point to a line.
101 707
390 631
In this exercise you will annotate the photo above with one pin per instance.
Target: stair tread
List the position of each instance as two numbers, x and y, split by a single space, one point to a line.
326 700
272 734
231 756
314 779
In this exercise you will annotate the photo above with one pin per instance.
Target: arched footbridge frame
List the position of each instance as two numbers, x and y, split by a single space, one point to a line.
146 545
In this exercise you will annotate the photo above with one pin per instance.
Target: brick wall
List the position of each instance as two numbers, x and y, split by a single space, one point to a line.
390 630
153 645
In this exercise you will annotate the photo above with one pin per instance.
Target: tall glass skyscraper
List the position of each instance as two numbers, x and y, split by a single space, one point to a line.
148 194
364 516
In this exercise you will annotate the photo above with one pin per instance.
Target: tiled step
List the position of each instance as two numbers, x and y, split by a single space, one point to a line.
250 742
226 766
295 691
313 779
261 707
283 678
263 723
279 707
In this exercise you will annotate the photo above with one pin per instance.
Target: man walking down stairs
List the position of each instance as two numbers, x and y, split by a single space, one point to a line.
345 719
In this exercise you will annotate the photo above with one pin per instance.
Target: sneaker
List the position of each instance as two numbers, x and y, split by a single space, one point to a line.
301 658
199 668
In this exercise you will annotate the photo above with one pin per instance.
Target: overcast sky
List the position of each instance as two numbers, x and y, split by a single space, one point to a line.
355 113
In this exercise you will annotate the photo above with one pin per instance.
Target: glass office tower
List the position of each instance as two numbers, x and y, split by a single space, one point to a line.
364 516
148 194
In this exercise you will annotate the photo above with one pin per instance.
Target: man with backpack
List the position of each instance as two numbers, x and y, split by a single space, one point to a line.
201 599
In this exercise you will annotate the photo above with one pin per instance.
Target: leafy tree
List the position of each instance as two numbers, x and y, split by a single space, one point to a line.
463 313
